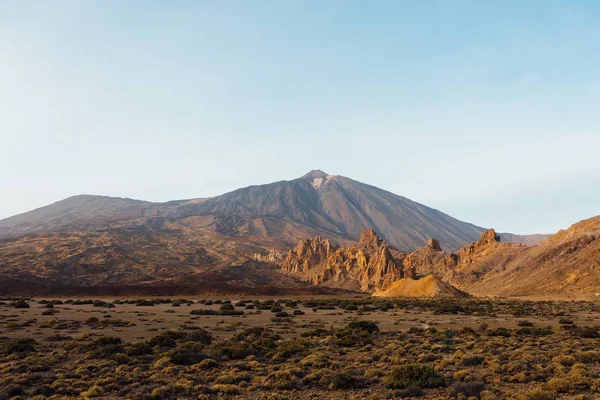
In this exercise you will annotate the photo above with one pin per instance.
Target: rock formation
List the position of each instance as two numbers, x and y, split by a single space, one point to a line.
272 257
488 242
366 266
434 244
307 255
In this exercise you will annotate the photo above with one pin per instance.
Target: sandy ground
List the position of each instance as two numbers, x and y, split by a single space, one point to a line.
145 322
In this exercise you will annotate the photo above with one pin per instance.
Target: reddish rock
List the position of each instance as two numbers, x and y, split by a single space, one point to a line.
366 266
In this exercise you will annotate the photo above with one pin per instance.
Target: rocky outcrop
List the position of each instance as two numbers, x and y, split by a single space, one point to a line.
366 266
434 244
307 256
488 242
567 264
273 256
427 260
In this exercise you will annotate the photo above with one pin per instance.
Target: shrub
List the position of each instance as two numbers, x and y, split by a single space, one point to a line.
414 375
524 323
409 393
430 357
187 354
200 336
473 360
528 331
105 347
345 379
560 384
538 394
589 357
468 389
166 339
139 349
565 321
20 346
500 332
367 326
10 391
42 390
20 304
233 350
225 389
586 332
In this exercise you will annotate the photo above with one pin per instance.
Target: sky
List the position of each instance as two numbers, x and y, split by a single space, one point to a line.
488 111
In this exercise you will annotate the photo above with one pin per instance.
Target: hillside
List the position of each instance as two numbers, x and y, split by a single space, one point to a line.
565 265
276 214
217 243
136 261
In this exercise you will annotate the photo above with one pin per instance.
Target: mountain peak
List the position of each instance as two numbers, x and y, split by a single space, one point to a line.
315 173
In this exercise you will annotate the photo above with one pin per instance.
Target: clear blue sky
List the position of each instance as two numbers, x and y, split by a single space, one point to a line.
486 110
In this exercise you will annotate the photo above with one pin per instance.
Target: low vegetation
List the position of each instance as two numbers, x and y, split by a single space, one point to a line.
317 348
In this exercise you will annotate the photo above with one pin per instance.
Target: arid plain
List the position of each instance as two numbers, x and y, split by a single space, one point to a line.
353 347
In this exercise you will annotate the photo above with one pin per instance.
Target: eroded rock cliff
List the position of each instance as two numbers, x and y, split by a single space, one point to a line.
366 266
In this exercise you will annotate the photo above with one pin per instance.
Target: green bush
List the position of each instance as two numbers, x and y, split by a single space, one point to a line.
414 375
20 346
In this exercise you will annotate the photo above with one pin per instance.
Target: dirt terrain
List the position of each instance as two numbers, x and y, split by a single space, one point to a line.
353 347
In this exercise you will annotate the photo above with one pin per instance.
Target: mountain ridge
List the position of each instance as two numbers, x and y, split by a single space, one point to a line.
336 206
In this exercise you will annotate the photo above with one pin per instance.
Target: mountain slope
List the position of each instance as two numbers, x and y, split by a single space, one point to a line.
136 261
77 213
333 206
276 214
566 264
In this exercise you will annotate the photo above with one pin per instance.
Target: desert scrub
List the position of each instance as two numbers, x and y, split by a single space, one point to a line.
468 389
187 354
105 347
290 348
539 394
225 389
356 334
174 390
409 375
473 360
589 357
21 347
